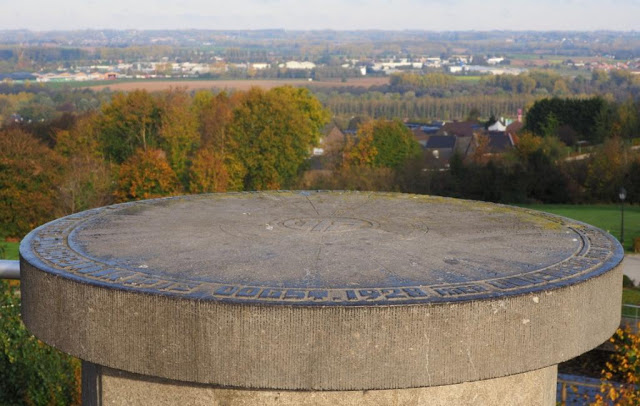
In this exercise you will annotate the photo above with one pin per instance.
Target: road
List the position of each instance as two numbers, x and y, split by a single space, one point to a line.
631 267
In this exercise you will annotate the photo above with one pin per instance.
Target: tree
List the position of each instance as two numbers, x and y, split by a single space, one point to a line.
129 122
272 134
624 368
382 143
590 118
30 173
213 171
214 113
178 130
87 177
606 170
146 175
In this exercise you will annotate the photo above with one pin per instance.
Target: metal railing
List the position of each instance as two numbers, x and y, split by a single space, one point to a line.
576 390
9 269
630 311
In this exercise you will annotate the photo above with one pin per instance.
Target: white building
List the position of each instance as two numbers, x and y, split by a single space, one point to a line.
298 65
260 66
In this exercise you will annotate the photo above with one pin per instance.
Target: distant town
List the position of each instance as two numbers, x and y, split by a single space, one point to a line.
95 55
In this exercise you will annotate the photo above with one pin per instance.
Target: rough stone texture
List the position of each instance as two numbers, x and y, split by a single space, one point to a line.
536 388
321 291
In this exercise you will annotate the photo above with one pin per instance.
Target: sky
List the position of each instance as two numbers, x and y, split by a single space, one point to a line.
431 15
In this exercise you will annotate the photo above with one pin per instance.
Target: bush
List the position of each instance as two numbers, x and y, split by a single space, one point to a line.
31 373
627 282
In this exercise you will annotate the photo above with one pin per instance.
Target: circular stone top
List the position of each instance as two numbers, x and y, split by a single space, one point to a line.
320 248
320 290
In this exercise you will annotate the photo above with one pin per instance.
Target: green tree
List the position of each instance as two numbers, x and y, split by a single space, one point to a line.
87 177
32 373
129 122
178 131
382 143
272 134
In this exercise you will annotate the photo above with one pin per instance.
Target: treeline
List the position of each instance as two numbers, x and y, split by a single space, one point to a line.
143 145
619 84
424 108
36 103
537 170
436 96
541 167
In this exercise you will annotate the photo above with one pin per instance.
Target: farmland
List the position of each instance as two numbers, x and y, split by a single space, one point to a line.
242 85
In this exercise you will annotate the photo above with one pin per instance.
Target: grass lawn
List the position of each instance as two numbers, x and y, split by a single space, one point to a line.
606 217
10 250
632 297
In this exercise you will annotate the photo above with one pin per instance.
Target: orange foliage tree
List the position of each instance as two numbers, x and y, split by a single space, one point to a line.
30 173
624 366
146 175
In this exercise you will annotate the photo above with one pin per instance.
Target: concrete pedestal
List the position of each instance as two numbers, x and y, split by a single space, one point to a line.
105 386
341 298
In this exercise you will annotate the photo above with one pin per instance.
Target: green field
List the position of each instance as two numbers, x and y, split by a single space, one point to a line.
471 78
631 296
10 250
606 217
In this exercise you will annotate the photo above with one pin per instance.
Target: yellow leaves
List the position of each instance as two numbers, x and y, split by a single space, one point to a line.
624 369
381 143
361 152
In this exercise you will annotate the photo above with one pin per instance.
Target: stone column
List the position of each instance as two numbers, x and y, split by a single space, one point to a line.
320 298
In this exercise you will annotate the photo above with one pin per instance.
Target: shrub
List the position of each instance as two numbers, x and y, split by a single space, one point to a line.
31 373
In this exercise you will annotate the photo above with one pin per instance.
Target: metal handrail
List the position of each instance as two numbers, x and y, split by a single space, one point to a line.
9 269
633 314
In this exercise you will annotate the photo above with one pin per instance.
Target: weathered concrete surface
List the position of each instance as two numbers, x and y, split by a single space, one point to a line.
536 388
321 291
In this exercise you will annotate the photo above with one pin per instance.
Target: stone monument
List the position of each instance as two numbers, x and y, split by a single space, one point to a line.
320 298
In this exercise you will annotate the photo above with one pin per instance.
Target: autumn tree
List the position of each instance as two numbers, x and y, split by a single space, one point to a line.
214 113
214 168
624 368
359 151
146 175
213 171
606 170
87 177
382 144
129 122
30 173
272 133
178 130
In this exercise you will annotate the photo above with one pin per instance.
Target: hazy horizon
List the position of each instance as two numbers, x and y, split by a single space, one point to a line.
345 15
